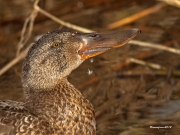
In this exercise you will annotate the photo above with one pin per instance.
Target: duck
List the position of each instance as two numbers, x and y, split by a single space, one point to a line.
53 106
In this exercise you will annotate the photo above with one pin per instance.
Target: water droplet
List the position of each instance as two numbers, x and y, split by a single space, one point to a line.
90 72
91 60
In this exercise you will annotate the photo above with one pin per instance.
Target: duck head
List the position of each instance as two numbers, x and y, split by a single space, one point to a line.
57 53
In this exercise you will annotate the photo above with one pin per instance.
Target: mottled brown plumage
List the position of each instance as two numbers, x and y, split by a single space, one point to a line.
52 105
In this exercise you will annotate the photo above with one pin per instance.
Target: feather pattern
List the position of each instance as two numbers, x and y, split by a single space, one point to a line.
52 105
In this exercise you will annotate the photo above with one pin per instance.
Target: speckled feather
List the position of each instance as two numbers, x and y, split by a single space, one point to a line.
52 105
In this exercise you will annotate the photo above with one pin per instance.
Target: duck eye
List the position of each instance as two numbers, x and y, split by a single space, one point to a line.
56 44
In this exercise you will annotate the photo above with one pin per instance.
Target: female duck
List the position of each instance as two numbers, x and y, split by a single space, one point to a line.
52 105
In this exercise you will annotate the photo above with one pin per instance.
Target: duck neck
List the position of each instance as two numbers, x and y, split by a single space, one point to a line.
61 103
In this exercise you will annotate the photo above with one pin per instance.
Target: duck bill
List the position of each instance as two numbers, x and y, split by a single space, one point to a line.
97 43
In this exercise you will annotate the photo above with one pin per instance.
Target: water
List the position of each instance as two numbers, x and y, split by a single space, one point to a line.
90 72
91 60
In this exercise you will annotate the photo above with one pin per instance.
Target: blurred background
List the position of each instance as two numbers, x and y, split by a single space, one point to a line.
128 96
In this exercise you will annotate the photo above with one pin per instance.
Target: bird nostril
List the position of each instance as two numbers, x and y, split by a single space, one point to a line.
94 35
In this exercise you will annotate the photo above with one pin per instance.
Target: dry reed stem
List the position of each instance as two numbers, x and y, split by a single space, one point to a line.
142 55
139 73
26 30
23 40
14 61
136 16
161 69
141 62
175 3
66 24
78 28
155 46
134 42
